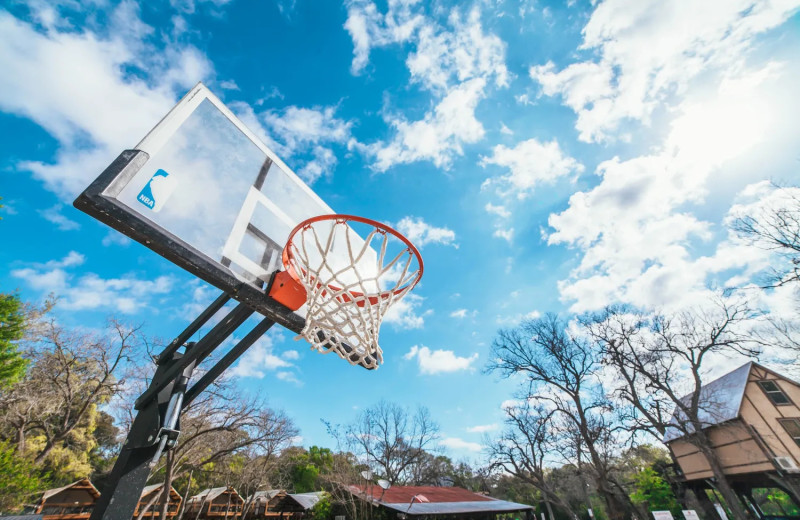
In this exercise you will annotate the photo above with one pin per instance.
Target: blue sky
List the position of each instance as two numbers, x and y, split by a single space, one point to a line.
546 158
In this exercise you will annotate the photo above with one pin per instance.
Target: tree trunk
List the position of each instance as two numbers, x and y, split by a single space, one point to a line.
185 497
147 507
165 495
550 515
722 485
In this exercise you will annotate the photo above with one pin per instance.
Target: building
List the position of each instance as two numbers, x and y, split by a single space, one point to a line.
753 421
438 502
72 502
151 495
215 503
262 504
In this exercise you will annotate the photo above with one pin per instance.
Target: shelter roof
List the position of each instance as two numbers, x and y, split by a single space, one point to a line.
440 500
83 483
267 493
211 494
307 500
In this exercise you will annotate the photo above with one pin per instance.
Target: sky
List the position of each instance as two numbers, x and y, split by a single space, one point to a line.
544 157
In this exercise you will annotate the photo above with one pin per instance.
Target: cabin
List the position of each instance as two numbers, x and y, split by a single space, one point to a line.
295 506
752 416
151 502
263 504
72 502
214 504
433 502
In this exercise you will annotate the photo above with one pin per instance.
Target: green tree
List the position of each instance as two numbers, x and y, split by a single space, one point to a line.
19 478
653 493
322 510
12 329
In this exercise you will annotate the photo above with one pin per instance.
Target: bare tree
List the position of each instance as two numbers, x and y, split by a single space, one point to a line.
775 226
561 372
522 450
71 374
666 357
391 439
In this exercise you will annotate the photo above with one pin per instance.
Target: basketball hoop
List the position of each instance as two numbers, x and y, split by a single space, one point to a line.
349 284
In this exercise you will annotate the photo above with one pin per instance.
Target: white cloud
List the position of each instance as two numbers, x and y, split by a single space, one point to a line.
262 358
460 313
40 83
515 319
295 132
454 443
506 234
114 237
229 84
290 354
89 291
55 216
505 130
289 377
499 210
483 428
456 62
649 50
439 361
635 229
437 137
404 314
420 233
529 163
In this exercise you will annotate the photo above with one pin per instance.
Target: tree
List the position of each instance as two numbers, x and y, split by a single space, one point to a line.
19 478
561 371
12 330
391 439
774 224
523 448
322 510
52 413
653 493
668 355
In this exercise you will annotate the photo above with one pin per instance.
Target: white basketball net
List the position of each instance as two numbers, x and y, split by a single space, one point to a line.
349 286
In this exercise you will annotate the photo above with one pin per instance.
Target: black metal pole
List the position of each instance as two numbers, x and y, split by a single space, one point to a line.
123 490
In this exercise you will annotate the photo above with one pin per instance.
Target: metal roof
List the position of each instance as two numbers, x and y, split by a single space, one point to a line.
719 401
211 494
441 500
307 500
83 483
449 508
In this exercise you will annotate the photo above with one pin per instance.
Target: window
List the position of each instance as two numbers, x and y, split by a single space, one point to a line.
792 427
774 392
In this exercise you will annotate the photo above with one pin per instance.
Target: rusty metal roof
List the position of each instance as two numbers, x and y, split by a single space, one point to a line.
441 500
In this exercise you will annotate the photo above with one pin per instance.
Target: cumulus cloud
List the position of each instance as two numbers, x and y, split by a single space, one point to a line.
483 428
500 210
648 50
420 233
635 228
83 111
88 291
456 61
406 314
61 221
454 443
529 163
432 362
261 359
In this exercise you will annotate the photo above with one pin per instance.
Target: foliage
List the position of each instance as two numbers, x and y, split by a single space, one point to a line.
307 468
19 479
322 510
12 329
652 492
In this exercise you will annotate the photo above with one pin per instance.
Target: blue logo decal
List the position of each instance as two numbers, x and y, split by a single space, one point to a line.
157 190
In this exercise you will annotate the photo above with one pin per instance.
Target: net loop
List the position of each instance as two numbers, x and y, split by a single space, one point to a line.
350 289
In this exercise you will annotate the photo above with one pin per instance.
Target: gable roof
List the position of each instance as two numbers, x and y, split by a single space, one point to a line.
306 500
441 500
720 400
85 484
212 493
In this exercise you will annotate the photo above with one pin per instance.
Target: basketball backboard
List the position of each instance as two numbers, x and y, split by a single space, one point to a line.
204 192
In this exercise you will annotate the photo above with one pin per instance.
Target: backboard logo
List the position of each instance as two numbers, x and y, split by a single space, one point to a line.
157 190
